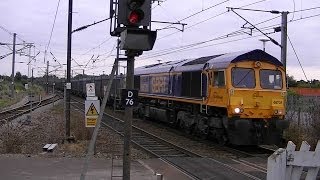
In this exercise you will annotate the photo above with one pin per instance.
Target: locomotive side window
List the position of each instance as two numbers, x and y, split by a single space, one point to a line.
243 78
204 85
270 79
218 79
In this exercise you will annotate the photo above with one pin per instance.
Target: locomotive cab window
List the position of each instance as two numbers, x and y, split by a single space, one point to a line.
270 79
243 78
218 79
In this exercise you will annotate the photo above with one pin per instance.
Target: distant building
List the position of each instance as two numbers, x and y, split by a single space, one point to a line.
311 92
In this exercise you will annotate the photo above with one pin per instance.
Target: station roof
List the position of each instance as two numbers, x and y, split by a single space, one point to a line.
215 61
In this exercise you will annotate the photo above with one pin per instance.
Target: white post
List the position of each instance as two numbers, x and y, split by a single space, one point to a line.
277 165
288 164
313 172
291 147
297 170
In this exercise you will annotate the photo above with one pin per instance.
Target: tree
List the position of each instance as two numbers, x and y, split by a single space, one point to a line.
24 77
79 76
291 81
18 76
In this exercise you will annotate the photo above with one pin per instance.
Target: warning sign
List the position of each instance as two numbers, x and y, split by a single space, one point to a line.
91 90
92 111
91 121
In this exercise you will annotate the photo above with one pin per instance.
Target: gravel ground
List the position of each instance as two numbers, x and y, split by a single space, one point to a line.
22 102
202 147
47 126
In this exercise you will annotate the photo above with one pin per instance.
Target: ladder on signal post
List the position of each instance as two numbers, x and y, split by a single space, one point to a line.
117 162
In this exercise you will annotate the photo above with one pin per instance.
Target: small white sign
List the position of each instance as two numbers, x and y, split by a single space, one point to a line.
91 90
68 85
26 86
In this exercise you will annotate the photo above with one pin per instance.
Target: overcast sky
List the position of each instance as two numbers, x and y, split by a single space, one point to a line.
32 20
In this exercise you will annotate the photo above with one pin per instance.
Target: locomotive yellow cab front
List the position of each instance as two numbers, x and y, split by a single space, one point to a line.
257 91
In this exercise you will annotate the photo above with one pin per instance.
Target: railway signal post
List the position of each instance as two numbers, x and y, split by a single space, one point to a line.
284 37
13 62
130 20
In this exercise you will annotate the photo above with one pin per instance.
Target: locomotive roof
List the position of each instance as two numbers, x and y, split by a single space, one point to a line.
216 61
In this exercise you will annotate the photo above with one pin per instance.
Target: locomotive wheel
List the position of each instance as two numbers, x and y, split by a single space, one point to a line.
222 140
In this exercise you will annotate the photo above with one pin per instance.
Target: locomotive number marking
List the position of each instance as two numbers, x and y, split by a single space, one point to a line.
277 102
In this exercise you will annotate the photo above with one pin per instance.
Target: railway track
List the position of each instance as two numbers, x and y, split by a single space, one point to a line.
168 152
9 115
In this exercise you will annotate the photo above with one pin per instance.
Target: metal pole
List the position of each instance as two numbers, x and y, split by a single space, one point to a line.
128 121
13 62
30 85
96 129
117 72
284 40
54 81
67 101
47 78
32 76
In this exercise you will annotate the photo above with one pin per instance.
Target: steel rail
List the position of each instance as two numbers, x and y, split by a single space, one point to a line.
164 157
14 113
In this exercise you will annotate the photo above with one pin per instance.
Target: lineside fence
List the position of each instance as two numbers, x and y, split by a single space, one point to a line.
289 164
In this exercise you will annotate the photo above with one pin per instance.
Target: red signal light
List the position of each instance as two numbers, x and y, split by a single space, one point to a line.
135 16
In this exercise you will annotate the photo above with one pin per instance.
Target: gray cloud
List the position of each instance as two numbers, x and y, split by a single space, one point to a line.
32 21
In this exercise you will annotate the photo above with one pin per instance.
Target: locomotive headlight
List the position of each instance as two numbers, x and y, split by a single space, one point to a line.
278 112
237 110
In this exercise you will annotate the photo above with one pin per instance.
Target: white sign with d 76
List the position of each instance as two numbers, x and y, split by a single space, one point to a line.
129 97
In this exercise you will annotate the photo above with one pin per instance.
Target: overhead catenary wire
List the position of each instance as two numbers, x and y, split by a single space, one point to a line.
234 33
215 16
109 54
294 9
54 22
96 46
307 17
196 13
307 9
294 50
193 48
271 39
